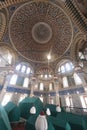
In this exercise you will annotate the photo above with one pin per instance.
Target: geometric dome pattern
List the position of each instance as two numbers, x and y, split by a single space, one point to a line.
2 24
40 27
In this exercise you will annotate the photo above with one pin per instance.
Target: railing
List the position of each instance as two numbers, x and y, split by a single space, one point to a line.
75 110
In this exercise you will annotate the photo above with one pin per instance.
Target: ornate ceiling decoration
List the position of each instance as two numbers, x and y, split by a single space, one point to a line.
45 73
2 24
40 27
82 4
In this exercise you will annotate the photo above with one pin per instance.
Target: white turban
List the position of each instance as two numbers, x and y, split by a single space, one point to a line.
41 122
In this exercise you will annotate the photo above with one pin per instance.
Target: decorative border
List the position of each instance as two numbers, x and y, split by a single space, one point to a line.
72 91
36 93
18 90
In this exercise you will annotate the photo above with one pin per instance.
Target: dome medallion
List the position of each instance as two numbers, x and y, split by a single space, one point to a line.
41 32
39 27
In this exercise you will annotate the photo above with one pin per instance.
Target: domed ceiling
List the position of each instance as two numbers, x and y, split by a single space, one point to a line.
2 24
40 27
82 4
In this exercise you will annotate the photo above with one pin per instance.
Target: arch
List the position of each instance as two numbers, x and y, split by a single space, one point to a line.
77 42
64 66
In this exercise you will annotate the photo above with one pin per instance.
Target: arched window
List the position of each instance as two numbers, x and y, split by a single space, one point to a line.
21 71
23 68
68 67
41 75
28 71
45 75
18 67
50 86
59 70
13 79
62 69
65 66
9 58
26 82
69 101
65 82
50 75
77 79
83 103
5 56
41 86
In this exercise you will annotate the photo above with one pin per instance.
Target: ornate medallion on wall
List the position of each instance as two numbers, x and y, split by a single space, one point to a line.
39 27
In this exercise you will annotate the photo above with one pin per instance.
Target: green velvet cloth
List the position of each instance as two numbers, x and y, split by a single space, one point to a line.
13 112
76 122
4 121
27 103
59 123
52 109
50 126
30 124
63 121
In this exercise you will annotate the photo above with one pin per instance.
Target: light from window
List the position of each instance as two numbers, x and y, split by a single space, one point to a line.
65 82
77 79
36 86
68 67
59 70
9 58
23 69
41 76
28 71
6 99
41 86
72 66
26 82
69 102
62 69
13 79
50 75
18 67
81 55
85 99
46 76
41 98
65 67
50 86
83 103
